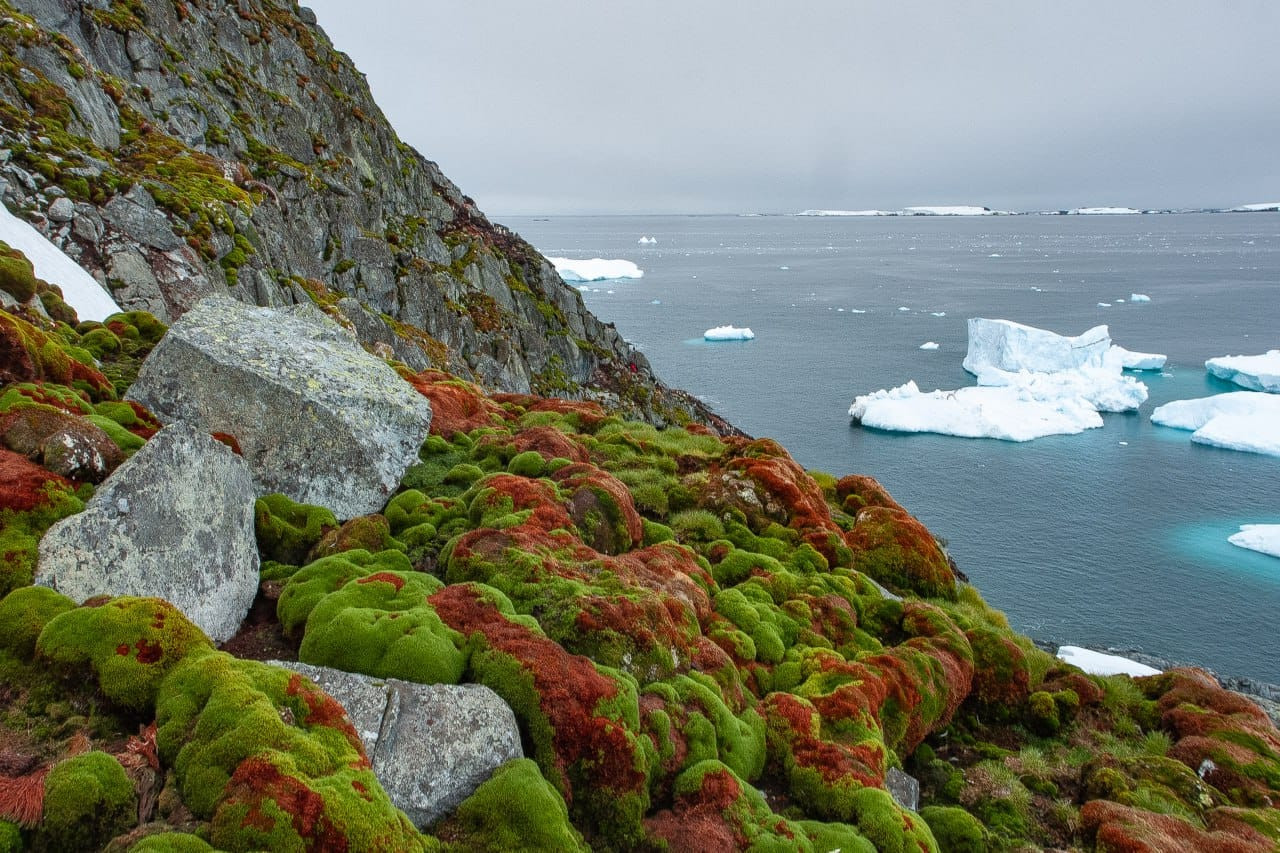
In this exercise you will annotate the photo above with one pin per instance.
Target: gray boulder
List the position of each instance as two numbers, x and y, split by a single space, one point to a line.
431 745
176 522
904 789
315 416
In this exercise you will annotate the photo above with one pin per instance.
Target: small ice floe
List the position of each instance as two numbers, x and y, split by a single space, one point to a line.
1130 360
1139 297
784 268
937 313
647 241
1248 421
929 345
1255 372
79 289
995 255
1096 663
656 302
728 333
1104 304
856 311
595 269
903 308
1263 538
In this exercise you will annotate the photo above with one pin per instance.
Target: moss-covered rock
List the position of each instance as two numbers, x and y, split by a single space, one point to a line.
955 830
88 800
515 810
288 530
23 615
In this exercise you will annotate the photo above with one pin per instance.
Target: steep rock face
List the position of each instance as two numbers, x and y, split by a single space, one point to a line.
178 149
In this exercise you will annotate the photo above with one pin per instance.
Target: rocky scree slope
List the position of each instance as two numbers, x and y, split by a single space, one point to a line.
178 148
702 646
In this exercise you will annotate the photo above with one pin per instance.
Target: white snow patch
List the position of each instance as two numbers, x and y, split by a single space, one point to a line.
1238 420
1263 538
1096 663
79 289
1102 211
1139 297
595 269
728 333
1255 372
929 345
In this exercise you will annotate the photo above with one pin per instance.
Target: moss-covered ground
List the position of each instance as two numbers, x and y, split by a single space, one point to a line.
706 647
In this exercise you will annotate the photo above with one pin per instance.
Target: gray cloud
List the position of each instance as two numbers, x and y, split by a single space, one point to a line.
547 106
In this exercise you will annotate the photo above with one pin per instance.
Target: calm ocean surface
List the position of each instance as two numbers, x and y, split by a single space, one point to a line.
1116 537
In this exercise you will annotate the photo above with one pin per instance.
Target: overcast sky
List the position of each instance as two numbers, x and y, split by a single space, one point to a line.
704 106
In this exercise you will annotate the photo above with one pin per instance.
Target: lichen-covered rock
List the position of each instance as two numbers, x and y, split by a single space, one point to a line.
175 521
431 746
315 416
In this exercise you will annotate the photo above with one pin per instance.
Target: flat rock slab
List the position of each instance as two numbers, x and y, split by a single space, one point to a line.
315 416
431 745
175 521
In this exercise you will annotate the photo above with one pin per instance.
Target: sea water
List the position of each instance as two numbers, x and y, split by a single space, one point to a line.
1116 537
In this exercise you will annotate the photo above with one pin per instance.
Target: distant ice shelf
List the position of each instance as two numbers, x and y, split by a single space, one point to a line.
1261 207
728 333
79 289
1097 663
1248 421
1255 372
595 269
1263 538
918 210
1102 211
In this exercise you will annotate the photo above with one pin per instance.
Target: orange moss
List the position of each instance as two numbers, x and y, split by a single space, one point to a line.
456 406
1120 829
24 485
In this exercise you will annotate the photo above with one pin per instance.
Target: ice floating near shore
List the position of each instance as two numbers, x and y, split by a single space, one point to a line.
728 333
1255 372
1248 421
595 269
929 345
1263 538
1130 360
1031 383
79 289
1139 297
647 241
1096 663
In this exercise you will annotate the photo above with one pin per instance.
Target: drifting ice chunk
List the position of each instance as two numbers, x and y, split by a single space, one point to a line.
929 345
647 241
1130 360
79 289
1139 297
1239 420
595 269
1010 346
1263 538
1255 372
1096 663
728 333
1009 413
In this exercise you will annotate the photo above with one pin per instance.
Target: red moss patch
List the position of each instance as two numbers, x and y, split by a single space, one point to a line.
858 490
589 415
790 495
323 710
700 822
384 577
893 547
1120 829
25 485
456 406
257 781
594 493
550 442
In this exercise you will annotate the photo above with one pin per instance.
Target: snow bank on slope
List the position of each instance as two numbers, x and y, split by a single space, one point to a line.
79 289
1096 663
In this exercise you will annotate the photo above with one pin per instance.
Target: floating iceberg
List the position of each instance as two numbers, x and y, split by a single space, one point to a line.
1255 372
79 289
595 269
929 345
728 333
1102 211
1130 360
647 241
1238 420
1263 538
1139 297
1266 206
1031 383
1096 663
847 213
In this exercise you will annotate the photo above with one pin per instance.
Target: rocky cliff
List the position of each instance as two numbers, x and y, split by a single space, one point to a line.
178 148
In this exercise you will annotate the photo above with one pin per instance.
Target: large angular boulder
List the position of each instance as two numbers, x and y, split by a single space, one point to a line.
315 416
431 745
175 522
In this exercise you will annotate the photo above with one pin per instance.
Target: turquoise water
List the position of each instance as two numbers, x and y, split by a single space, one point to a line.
1115 537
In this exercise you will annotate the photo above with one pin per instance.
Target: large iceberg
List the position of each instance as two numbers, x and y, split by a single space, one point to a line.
1263 538
1238 420
79 289
595 269
1031 383
1255 372
728 333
